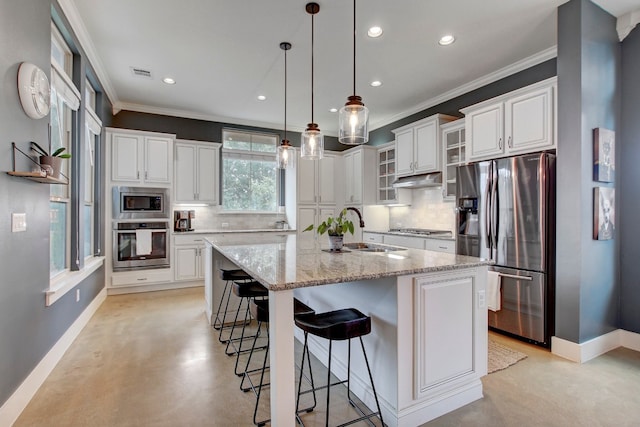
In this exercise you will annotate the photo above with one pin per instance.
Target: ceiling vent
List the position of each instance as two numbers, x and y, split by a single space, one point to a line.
140 72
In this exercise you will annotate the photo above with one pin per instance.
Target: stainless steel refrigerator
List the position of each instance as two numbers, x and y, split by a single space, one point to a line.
506 213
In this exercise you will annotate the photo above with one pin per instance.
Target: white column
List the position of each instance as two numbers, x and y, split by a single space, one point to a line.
281 358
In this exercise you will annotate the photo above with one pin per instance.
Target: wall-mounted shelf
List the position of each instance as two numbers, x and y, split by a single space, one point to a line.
39 176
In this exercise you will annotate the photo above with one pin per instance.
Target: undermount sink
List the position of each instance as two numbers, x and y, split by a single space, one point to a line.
369 247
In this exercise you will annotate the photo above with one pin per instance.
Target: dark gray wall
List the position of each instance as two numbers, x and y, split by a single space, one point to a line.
28 329
627 188
589 55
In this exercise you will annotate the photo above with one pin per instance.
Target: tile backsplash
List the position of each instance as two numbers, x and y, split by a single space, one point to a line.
213 217
427 210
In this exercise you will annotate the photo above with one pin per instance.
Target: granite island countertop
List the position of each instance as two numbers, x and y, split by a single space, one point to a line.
284 262
234 231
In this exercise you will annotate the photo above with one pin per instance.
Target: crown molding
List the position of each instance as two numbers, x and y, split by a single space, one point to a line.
516 67
77 25
626 23
140 108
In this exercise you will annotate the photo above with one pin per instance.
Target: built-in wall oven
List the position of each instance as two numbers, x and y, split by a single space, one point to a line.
140 245
140 203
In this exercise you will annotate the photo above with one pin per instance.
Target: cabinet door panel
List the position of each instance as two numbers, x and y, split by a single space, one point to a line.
207 189
404 152
124 160
486 131
185 184
529 121
326 179
306 217
306 181
187 263
426 148
357 177
157 160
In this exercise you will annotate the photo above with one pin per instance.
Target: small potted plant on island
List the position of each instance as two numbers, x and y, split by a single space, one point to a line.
335 227
52 163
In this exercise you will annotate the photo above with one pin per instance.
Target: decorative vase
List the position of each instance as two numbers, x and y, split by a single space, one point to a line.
54 162
335 243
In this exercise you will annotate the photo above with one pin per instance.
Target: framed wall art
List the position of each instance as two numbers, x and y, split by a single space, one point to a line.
603 213
604 155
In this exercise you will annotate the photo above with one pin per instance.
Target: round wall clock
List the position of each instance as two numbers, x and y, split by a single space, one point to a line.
34 90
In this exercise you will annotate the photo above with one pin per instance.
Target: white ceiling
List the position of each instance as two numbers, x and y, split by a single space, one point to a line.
223 54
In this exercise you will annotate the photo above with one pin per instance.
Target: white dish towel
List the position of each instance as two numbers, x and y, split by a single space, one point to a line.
143 241
493 291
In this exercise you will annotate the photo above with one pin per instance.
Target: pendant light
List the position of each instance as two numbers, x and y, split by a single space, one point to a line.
286 153
354 116
312 143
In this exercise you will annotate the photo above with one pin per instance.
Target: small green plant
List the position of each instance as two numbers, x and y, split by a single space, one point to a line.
41 151
334 226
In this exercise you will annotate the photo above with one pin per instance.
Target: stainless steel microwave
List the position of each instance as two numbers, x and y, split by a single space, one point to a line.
140 203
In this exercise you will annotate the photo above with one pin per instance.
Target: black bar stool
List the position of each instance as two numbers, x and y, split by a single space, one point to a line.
337 325
245 291
220 322
260 312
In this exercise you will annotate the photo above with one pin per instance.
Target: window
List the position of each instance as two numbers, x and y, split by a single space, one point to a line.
93 127
249 169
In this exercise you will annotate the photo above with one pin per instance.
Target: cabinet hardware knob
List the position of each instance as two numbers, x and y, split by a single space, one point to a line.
500 143
510 143
142 279
138 175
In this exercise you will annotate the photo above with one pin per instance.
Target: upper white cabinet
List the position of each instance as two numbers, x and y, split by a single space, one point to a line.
196 172
316 180
454 154
141 157
418 146
387 175
521 121
359 165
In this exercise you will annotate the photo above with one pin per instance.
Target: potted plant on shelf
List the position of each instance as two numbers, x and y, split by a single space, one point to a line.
335 227
50 162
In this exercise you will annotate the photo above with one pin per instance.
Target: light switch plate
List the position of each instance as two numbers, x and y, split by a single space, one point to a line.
18 222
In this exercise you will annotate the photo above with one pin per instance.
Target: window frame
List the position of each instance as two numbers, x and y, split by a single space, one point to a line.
256 155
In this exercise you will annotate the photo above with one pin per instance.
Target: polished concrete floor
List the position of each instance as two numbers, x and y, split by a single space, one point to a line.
151 360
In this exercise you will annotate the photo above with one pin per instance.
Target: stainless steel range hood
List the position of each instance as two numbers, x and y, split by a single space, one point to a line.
419 181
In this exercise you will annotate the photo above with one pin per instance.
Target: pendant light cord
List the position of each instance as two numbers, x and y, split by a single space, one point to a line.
285 94
312 40
354 47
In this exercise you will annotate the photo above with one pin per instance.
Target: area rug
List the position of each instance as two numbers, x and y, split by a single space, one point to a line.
501 357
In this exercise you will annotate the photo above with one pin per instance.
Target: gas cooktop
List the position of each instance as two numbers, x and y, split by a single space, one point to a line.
420 231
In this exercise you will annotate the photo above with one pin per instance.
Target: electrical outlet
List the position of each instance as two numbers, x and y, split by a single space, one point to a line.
18 222
77 295
481 299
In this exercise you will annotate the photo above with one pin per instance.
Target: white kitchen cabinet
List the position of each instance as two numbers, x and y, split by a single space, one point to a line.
308 215
522 121
454 154
188 257
359 166
372 237
386 177
141 277
440 245
418 242
141 158
404 241
196 172
316 180
418 146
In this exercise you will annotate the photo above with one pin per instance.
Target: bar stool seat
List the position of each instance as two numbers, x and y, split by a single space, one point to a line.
260 311
249 289
338 325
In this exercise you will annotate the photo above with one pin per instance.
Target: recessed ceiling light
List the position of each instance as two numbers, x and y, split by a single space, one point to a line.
446 40
261 97
169 81
376 83
374 32
333 110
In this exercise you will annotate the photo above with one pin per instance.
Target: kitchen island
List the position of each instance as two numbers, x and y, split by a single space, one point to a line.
428 345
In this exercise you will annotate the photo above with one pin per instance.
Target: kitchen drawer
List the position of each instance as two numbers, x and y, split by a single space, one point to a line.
141 277
438 245
404 241
372 237
188 239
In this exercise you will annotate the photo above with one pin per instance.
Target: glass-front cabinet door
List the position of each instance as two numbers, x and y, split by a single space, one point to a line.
453 139
386 173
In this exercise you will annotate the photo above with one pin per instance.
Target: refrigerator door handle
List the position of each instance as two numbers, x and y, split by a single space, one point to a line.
487 208
494 206
513 276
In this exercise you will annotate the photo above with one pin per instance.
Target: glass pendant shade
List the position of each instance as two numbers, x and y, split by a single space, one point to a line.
286 155
312 143
354 122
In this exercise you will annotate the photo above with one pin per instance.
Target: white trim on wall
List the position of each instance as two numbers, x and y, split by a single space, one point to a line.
595 347
13 407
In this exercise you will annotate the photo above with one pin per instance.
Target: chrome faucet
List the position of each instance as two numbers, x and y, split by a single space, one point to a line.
359 215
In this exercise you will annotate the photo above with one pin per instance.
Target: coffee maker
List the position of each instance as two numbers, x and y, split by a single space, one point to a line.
182 220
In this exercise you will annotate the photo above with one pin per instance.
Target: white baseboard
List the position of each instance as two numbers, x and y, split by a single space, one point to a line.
13 407
152 288
595 347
